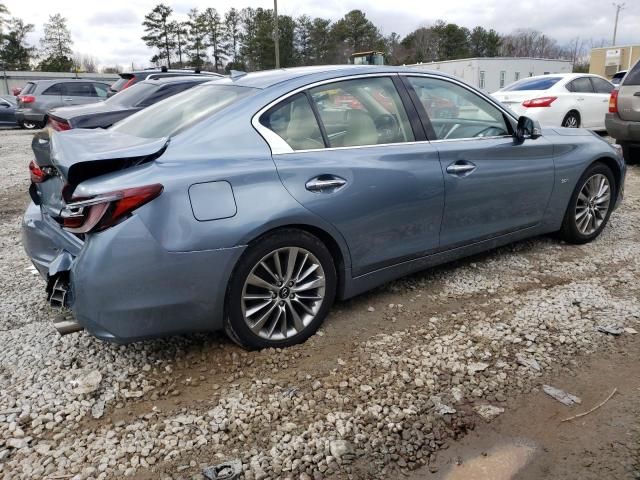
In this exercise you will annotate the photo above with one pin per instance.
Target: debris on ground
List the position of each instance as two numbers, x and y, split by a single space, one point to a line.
525 361
594 408
611 329
230 470
87 383
563 397
488 412
630 330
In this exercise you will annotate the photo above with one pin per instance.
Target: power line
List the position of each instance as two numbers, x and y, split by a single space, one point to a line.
619 6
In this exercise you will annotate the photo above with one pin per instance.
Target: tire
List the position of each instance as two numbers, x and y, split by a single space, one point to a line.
29 125
262 314
631 154
589 204
571 120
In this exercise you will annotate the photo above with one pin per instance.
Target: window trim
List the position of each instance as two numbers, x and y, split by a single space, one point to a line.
279 147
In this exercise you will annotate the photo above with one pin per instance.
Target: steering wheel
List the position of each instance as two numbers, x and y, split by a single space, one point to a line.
485 132
388 127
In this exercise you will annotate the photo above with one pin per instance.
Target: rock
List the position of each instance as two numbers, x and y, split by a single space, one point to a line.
561 396
341 449
18 443
525 361
488 412
630 330
86 383
97 410
611 329
474 367
371 309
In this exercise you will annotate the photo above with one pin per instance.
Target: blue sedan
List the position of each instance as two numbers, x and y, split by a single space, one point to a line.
251 203
8 111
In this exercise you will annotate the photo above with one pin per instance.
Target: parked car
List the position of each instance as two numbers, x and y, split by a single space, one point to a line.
39 96
106 113
8 110
128 79
242 204
568 100
623 119
617 78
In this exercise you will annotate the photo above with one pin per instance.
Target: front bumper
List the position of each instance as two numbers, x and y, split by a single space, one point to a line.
125 287
622 130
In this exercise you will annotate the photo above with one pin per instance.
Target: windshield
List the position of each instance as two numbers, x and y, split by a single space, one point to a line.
132 95
176 113
544 83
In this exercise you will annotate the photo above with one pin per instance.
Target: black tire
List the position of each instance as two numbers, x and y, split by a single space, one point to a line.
569 231
631 154
29 125
235 325
571 120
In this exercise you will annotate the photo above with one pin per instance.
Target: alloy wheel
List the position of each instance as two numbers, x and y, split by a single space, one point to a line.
570 121
29 125
593 203
283 293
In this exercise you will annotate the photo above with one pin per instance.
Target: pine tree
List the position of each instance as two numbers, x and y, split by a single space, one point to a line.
16 54
179 30
157 25
196 45
232 33
56 45
215 33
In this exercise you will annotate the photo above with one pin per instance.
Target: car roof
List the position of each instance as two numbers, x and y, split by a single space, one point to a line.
52 81
269 78
174 79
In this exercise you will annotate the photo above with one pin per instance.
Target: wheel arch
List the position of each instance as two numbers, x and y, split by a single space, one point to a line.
615 168
576 110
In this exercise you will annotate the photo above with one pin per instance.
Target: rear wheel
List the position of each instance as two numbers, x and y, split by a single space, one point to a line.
281 290
571 120
30 125
590 205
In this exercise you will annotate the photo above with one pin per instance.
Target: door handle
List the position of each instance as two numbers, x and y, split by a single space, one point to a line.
580 99
325 183
461 168
68 99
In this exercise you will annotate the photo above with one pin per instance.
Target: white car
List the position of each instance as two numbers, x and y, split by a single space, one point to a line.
567 99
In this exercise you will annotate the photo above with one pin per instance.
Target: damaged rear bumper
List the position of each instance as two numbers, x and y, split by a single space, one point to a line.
124 286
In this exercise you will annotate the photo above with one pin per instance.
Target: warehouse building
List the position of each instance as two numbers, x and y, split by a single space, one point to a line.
492 73
607 61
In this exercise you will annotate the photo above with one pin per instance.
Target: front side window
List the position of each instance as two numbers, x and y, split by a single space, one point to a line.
78 89
55 89
293 121
456 112
366 111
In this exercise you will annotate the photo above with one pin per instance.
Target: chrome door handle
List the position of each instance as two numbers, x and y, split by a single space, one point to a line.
325 183
460 168
580 99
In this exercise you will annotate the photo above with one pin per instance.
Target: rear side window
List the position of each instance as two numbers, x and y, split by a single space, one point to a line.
580 85
28 88
55 89
101 89
120 83
544 83
293 121
601 86
633 77
79 89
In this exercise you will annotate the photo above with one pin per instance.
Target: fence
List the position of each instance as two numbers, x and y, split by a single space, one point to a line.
17 79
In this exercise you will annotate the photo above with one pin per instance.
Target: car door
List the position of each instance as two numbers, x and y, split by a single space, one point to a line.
349 154
7 112
79 93
602 90
629 96
589 103
493 186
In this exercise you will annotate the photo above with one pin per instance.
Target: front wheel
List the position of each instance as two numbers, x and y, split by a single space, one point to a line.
590 205
281 290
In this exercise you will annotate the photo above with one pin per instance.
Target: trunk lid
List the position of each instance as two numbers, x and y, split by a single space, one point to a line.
71 157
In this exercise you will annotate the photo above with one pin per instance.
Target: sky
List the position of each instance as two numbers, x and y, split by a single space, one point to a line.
111 31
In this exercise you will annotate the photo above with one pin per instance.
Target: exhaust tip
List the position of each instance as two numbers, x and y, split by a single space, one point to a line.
65 327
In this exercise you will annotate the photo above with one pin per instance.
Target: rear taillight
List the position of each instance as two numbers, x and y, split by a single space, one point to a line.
128 84
539 102
58 125
26 98
84 215
613 101
38 175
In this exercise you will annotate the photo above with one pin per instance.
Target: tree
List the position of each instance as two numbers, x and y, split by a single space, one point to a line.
196 45
56 45
323 46
394 50
484 43
179 30
286 41
232 33
303 43
421 45
355 33
453 41
16 54
157 25
213 26
84 63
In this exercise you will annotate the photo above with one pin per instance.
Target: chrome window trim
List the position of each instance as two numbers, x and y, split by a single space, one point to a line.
279 147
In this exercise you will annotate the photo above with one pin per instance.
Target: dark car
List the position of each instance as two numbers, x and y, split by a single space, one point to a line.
104 114
8 110
623 119
39 96
617 78
131 78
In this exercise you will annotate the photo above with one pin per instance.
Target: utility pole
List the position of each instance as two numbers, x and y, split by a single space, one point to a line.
276 33
619 6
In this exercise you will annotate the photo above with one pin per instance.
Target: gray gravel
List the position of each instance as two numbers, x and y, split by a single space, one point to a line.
424 359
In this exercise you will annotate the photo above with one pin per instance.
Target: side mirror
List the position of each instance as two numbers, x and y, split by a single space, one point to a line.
526 128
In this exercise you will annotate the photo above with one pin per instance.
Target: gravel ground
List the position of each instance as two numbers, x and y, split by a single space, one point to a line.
391 378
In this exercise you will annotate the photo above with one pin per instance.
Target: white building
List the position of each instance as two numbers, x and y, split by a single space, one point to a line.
492 73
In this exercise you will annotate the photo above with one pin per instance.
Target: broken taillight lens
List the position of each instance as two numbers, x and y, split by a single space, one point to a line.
37 174
58 125
84 215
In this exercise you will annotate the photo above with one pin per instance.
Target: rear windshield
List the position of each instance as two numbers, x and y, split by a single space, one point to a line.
532 84
633 77
119 83
179 112
28 88
132 95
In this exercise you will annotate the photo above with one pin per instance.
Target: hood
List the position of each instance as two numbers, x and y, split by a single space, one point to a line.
572 132
73 147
